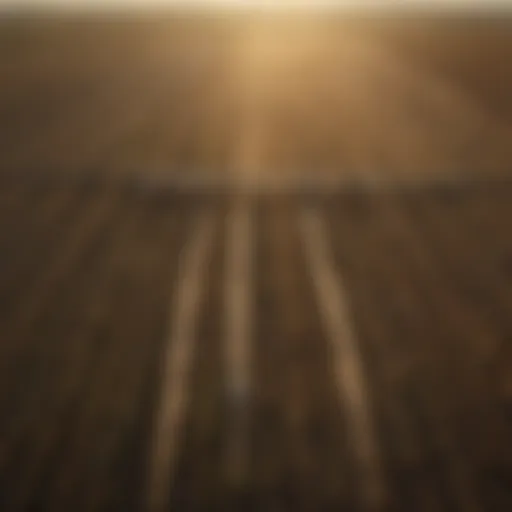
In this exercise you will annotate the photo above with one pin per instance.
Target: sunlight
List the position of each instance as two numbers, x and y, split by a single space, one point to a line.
351 5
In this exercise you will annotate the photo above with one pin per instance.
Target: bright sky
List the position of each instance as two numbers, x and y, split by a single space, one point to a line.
70 4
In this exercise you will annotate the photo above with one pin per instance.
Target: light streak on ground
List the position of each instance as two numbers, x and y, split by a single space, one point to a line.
238 310
178 361
347 363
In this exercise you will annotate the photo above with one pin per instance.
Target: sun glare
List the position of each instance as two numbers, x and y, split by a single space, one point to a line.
255 4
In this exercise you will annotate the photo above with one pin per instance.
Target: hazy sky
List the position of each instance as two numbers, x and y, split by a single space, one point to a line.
70 4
